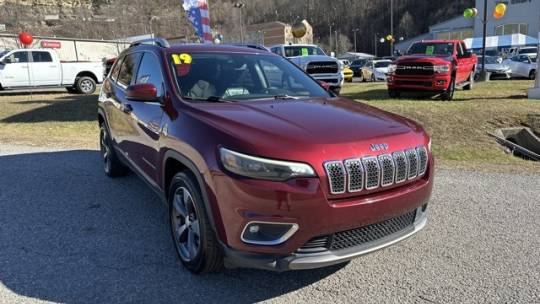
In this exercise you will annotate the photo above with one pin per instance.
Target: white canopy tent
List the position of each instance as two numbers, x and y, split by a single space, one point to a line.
505 41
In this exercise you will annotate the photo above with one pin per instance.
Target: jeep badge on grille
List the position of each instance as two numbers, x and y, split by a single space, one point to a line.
379 147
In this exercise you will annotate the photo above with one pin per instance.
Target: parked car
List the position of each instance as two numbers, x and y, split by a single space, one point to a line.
33 68
256 170
315 62
375 70
496 68
438 66
357 65
523 65
348 74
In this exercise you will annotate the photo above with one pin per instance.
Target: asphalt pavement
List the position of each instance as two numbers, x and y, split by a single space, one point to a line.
69 234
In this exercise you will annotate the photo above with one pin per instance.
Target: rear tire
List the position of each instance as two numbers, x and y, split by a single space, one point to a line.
448 95
373 79
193 237
85 85
469 86
532 75
112 165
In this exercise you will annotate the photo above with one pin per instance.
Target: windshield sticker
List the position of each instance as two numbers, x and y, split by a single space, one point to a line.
182 58
182 63
430 49
305 52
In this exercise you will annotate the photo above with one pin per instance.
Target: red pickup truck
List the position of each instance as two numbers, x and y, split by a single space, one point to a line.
438 66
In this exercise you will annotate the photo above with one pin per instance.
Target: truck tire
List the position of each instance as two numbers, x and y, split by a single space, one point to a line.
470 85
373 79
85 85
193 237
532 75
394 93
448 94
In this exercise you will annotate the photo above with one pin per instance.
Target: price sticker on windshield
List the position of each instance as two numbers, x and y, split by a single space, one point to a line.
304 51
430 49
182 63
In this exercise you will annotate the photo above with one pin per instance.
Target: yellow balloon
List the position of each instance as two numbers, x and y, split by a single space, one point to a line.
299 30
500 8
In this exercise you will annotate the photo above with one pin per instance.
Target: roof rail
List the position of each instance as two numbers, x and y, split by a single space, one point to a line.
152 41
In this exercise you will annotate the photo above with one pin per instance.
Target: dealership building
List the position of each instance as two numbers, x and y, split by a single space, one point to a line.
521 17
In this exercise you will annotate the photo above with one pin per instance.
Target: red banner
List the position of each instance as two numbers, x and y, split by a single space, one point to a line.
51 44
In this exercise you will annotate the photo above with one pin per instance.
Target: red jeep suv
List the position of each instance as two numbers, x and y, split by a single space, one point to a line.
258 164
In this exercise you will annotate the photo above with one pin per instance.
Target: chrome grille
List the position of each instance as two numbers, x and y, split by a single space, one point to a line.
422 160
388 170
373 172
322 67
412 158
368 173
355 170
336 176
401 166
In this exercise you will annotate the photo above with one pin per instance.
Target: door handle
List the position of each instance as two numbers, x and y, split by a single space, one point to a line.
127 108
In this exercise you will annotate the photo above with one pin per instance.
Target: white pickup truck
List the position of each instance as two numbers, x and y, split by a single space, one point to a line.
41 68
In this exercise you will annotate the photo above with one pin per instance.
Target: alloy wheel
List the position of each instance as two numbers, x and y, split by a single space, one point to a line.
105 149
185 225
86 86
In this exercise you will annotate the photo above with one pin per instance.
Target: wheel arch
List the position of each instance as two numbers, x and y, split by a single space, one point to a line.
86 74
174 162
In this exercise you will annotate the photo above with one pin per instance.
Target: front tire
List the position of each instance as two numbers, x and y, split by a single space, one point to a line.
532 75
193 237
112 165
85 85
448 95
469 86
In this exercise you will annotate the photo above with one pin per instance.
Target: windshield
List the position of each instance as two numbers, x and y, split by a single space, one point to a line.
528 51
204 76
382 64
446 49
293 51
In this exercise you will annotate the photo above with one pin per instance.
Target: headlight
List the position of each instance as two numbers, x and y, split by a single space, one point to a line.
261 168
392 68
429 145
340 65
441 69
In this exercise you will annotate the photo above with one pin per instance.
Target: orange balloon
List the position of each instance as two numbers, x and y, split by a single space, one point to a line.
497 15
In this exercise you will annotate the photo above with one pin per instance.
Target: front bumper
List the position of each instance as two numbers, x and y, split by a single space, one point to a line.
298 261
334 80
435 82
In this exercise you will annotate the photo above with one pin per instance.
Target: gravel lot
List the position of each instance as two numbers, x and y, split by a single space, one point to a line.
69 234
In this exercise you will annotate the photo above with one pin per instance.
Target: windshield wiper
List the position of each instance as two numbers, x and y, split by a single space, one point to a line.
284 97
209 99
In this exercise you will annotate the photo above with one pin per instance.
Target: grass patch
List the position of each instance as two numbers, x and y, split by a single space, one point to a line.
49 119
459 128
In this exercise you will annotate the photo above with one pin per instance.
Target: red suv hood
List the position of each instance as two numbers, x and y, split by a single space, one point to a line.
288 129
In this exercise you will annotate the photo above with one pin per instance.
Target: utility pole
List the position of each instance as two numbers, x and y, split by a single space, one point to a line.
354 32
240 6
330 39
392 26
483 75
337 45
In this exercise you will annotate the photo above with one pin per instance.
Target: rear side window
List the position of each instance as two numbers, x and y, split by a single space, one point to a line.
150 72
127 71
41 57
116 69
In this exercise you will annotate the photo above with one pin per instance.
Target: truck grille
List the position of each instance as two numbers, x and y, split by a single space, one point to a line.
322 67
414 83
359 236
415 68
357 174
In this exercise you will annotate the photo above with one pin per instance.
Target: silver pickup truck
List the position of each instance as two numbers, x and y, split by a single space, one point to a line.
315 62
41 68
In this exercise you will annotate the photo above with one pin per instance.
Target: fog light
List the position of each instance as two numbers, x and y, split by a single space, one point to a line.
268 233
254 229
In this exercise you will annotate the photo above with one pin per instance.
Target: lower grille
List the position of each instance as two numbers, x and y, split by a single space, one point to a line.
359 236
414 83
322 67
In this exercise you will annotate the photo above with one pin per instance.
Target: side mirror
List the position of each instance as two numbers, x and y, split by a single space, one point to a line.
142 92
324 84
6 60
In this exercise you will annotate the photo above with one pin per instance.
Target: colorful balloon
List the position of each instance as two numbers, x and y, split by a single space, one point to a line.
389 37
497 15
468 13
475 12
26 38
500 8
